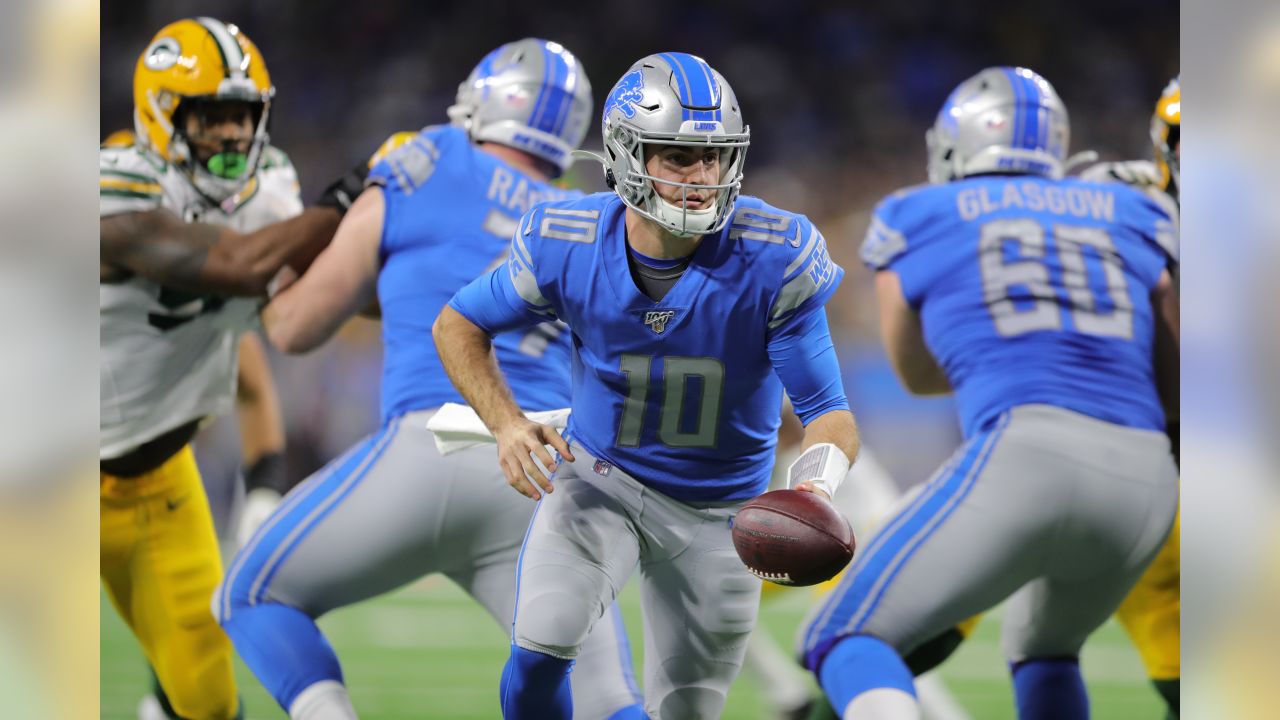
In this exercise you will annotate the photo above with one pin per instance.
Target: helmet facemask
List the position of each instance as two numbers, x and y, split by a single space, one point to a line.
626 148
219 167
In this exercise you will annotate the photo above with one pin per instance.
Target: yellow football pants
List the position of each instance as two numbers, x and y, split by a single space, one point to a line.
160 564
1152 611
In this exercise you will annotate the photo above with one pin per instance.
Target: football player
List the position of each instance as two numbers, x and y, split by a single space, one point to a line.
686 303
1048 307
200 208
439 210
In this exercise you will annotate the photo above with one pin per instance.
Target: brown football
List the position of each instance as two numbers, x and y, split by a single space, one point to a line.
792 538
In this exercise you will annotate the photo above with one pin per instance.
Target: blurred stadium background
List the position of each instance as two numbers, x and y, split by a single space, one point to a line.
838 98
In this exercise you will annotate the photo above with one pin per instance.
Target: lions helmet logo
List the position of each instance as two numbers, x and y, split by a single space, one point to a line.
626 95
657 319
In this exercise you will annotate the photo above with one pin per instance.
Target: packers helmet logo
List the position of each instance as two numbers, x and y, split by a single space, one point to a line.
657 319
162 55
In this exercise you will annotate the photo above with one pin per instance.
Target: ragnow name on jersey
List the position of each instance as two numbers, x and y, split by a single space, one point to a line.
450 212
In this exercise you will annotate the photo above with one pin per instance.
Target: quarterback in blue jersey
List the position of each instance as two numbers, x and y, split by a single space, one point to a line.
1047 306
437 211
690 309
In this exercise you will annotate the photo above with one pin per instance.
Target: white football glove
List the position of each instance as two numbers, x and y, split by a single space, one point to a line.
1138 173
259 503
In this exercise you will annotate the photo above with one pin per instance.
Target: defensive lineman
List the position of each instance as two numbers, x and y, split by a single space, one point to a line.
439 211
173 206
686 304
1041 302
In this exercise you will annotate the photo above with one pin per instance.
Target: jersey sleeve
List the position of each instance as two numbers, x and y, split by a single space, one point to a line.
804 358
885 242
407 161
809 280
509 296
280 180
126 182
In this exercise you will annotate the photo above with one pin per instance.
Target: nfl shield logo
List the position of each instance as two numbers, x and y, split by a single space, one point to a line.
602 467
657 319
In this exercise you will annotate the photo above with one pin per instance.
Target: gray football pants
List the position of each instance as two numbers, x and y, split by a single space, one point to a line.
394 510
698 600
1058 512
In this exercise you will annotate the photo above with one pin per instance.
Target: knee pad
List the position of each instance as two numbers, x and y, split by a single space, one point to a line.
555 621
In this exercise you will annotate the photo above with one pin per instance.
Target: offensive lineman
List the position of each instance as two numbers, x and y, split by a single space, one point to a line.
174 207
686 305
1048 307
439 210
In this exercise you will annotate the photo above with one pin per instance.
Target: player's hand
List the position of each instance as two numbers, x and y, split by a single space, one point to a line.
1139 173
259 504
518 444
809 487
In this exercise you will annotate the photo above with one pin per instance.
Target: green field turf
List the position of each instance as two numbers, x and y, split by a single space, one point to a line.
428 652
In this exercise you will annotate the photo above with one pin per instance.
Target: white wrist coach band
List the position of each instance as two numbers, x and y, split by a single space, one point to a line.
824 465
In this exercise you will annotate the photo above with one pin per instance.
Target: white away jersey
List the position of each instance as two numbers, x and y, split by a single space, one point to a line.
169 357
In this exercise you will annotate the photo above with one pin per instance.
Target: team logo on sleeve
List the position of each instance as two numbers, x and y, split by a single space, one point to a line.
657 319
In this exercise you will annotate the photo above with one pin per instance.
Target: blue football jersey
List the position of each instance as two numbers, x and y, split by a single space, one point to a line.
1033 290
450 213
683 393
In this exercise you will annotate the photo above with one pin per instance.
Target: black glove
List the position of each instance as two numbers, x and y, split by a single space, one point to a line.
270 472
344 191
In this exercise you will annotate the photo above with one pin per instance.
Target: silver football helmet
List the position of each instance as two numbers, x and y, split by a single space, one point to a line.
531 95
1002 120
673 99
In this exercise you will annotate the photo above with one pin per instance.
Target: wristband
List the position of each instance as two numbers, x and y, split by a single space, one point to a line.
824 465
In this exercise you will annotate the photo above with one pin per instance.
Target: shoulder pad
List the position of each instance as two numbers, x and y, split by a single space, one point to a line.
128 181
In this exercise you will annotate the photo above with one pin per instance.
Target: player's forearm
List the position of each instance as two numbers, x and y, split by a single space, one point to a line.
465 352
293 326
249 262
257 404
836 427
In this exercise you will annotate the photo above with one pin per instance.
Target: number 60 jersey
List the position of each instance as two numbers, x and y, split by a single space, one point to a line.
169 357
1033 290
682 394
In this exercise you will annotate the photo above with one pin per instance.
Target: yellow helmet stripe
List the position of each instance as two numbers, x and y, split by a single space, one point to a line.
233 58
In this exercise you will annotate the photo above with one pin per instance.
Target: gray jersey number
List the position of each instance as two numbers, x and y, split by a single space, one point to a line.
676 372
1040 291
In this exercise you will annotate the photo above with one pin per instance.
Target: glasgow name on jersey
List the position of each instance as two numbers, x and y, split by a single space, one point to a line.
1033 290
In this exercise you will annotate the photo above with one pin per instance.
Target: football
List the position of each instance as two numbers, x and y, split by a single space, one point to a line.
791 537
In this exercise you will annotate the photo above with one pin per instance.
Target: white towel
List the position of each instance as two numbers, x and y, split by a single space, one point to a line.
458 427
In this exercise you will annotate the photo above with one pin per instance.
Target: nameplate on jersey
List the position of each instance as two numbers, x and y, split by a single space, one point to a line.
569 224
661 319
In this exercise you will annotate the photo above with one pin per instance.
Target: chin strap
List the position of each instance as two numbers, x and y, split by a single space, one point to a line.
824 465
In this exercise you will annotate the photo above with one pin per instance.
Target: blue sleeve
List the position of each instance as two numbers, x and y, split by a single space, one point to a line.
507 297
1156 218
884 243
409 165
805 360
808 282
